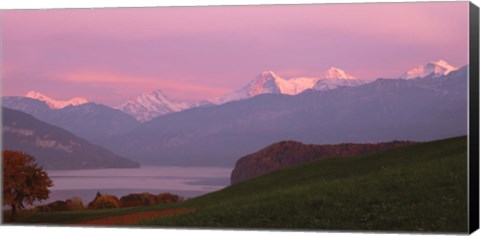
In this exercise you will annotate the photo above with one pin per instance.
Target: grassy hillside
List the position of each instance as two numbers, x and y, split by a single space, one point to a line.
417 188
422 187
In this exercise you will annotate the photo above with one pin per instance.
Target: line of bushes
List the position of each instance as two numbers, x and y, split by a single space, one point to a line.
72 204
105 201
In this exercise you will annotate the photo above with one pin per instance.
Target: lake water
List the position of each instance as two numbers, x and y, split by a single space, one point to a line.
185 181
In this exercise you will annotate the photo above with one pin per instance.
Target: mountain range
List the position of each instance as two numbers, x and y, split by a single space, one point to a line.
155 103
425 103
387 109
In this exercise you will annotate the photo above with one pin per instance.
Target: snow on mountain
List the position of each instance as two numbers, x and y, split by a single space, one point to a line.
296 85
55 104
151 104
270 82
266 82
433 68
335 78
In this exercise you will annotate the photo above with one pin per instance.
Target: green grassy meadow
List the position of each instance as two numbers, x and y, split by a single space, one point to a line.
422 187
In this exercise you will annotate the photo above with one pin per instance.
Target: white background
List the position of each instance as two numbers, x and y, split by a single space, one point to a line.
69 231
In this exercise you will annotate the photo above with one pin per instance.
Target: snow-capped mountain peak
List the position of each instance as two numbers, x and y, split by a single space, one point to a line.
151 97
151 104
266 82
334 78
55 104
270 82
433 68
335 73
443 64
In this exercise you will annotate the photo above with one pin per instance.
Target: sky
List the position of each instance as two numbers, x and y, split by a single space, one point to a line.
192 53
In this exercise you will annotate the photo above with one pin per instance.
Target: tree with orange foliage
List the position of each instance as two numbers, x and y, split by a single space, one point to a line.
23 181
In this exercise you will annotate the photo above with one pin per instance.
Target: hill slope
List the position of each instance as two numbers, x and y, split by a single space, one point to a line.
289 153
54 147
421 187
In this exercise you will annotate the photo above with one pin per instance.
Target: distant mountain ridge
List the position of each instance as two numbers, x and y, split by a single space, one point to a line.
155 103
88 120
54 147
419 109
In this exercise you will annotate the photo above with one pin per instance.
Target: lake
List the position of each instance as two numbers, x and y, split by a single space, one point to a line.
185 181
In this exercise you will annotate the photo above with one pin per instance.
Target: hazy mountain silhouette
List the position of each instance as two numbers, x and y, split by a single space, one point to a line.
91 121
54 147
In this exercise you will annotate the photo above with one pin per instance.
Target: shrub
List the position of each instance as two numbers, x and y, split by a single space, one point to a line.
53 206
138 199
168 198
148 199
73 204
104 202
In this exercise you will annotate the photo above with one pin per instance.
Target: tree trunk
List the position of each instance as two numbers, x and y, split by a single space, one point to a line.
14 213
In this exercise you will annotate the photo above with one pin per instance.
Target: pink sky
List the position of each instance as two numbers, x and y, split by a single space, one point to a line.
193 53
